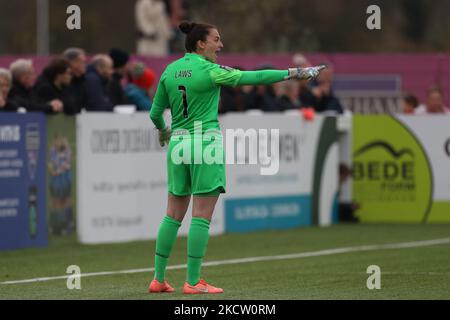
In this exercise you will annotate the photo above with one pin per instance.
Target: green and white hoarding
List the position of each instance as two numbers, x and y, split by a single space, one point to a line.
401 168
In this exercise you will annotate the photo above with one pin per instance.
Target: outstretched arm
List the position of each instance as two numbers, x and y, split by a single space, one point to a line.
261 77
232 77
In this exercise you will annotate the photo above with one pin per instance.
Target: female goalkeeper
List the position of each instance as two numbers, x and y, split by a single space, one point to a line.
190 86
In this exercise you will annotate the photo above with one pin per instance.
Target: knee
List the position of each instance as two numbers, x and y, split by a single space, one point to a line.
175 215
205 214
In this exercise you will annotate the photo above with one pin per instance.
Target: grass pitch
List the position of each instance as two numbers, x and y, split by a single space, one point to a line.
406 273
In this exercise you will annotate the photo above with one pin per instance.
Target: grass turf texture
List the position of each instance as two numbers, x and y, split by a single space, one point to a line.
409 273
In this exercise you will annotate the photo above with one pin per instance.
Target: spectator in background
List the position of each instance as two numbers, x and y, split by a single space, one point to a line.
76 90
290 97
5 86
140 82
263 97
409 104
99 73
53 83
305 94
324 98
177 12
434 104
235 98
23 77
153 27
120 64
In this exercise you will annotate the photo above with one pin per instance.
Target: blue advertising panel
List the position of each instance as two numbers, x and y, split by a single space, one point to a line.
22 181
277 212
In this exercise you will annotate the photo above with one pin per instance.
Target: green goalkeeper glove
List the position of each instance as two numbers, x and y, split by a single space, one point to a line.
164 136
304 73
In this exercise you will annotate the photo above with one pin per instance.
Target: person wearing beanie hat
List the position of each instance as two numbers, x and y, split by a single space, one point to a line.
120 58
140 82
120 63
146 80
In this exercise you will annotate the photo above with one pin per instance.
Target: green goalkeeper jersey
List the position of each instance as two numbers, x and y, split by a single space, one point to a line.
190 86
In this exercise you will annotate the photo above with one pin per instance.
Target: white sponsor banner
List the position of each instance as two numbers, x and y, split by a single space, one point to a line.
283 198
297 146
122 182
122 174
433 132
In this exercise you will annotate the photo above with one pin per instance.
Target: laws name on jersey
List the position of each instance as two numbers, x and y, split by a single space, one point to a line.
183 74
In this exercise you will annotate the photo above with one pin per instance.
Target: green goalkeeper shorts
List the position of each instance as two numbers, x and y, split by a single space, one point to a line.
196 165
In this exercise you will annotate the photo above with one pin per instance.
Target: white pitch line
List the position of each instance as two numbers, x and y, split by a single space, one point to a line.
327 252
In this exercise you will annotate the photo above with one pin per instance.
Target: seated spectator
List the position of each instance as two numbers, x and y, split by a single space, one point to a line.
76 90
235 98
263 97
323 97
409 104
23 76
306 96
53 83
434 104
5 86
289 99
120 63
99 72
140 82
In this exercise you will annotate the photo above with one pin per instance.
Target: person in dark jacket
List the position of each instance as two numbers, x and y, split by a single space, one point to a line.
263 97
323 96
99 73
290 98
115 90
235 99
21 94
53 82
76 90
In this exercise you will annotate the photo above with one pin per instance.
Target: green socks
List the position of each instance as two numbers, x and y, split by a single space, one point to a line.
197 243
196 247
167 235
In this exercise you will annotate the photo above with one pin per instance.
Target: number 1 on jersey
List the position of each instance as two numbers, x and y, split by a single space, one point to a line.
185 104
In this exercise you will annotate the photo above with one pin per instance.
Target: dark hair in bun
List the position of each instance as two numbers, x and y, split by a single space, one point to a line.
194 32
186 26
